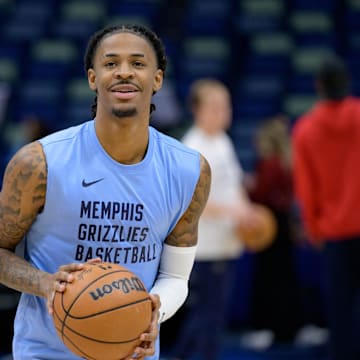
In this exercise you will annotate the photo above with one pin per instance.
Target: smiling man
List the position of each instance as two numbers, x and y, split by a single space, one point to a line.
112 188
137 75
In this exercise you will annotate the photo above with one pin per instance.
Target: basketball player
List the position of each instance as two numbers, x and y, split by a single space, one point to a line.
111 189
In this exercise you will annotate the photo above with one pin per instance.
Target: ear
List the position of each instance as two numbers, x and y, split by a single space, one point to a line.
92 79
158 80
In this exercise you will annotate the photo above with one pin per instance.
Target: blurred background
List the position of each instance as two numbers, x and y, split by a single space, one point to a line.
265 51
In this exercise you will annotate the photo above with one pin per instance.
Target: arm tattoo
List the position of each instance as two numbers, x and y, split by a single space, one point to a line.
185 232
21 199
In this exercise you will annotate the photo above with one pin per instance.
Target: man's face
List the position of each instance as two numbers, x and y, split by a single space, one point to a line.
125 75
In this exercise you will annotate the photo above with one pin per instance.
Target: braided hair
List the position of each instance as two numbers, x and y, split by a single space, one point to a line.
139 30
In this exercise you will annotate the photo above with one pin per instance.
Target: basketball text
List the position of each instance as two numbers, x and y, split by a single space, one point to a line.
125 285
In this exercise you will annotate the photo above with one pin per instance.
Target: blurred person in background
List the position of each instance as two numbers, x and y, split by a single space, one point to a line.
275 305
34 127
31 127
326 146
214 272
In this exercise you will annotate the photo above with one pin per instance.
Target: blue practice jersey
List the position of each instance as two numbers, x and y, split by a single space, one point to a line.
97 207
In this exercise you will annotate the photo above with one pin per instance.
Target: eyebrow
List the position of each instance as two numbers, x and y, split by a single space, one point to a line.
132 55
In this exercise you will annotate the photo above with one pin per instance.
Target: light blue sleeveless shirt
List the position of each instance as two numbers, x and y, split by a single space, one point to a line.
97 207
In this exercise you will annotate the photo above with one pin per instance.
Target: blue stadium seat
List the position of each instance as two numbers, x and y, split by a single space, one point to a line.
212 19
52 58
40 97
268 64
258 96
352 16
296 104
9 70
205 56
27 20
78 19
19 30
301 83
323 5
259 16
78 98
149 9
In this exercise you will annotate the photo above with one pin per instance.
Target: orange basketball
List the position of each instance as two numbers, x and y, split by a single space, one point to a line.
259 237
102 312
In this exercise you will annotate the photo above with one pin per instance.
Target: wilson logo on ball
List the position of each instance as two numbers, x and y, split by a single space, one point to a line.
124 285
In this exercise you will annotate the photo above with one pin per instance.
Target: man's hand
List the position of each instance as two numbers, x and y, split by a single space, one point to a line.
57 281
147 347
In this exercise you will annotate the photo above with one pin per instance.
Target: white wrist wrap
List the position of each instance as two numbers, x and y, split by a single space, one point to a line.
172 281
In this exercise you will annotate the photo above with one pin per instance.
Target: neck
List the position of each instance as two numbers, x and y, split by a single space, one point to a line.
125 140
209 131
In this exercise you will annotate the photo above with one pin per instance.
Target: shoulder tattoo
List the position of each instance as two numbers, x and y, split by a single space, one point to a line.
185 232
23 193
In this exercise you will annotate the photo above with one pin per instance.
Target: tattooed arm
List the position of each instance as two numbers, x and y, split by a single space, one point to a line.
179 249
22 198
185 231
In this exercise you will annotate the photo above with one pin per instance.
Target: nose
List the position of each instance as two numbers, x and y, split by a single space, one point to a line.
124 71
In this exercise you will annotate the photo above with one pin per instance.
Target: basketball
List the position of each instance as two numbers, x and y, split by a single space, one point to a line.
102 312
259 237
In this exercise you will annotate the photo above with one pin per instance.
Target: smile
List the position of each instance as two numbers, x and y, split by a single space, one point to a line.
124 95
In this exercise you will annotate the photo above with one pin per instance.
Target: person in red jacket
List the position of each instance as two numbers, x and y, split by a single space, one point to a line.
326 147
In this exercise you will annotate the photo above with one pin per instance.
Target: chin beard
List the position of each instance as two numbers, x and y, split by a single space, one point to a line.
124 113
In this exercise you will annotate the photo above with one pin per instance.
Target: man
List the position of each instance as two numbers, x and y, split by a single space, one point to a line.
326 154
218 249
110 189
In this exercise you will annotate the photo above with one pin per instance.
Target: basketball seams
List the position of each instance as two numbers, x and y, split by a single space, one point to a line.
107 310
68 340
99 341
81 292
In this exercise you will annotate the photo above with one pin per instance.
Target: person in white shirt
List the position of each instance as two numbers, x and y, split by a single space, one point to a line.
219 247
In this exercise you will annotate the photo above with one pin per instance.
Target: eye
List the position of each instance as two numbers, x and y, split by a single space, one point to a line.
138 64
110 64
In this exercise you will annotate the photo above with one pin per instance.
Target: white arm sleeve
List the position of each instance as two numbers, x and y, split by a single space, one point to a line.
171 283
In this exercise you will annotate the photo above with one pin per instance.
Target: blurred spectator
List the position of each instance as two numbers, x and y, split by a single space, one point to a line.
34 128
275 304
326 143
218 247
30 128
